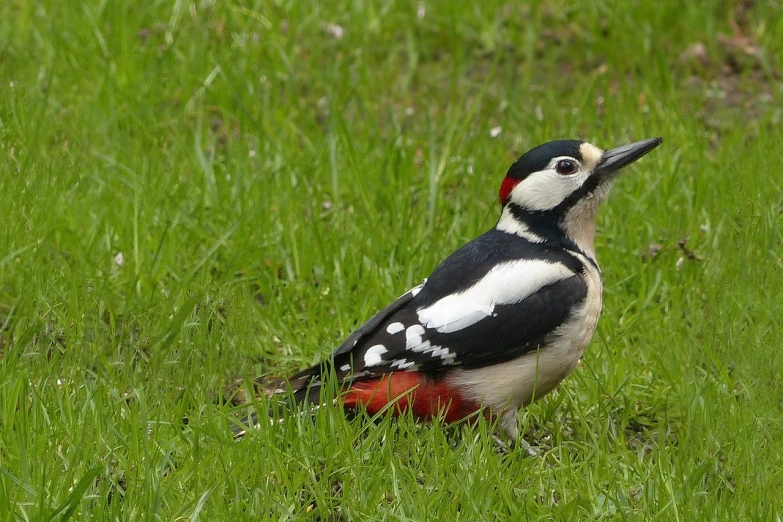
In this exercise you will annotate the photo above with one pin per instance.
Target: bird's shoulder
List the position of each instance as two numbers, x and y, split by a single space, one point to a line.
473 261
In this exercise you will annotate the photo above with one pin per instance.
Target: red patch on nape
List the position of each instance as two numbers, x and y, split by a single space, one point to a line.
506 187
410 391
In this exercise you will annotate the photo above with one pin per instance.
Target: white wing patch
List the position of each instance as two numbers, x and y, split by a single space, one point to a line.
373 355
506 283
452 313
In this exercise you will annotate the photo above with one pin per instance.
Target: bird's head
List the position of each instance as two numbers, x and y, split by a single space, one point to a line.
554 190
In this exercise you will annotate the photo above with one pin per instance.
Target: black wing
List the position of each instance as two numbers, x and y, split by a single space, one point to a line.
507 332
493 300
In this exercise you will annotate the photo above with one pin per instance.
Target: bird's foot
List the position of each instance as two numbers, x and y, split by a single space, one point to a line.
504 448
500 444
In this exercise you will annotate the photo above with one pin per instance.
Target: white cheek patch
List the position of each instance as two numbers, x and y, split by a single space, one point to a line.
506 283
546 189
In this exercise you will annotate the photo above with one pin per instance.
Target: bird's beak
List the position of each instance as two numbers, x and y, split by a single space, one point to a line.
614 159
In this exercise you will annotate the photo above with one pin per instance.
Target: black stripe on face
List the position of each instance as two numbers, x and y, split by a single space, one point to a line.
546 223
587 187
543 223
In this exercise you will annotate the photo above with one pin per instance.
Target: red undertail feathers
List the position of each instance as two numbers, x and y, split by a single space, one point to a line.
425 397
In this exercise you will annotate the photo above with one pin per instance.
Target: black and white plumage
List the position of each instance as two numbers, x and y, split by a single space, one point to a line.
504 318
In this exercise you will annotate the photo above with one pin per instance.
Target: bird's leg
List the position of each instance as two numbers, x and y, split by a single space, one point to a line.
530 450
508 422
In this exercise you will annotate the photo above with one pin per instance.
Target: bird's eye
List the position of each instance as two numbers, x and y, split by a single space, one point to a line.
565 167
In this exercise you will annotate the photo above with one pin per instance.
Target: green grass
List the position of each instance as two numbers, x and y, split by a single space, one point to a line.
269 185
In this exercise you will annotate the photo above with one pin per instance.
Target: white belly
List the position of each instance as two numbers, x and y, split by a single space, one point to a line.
518 382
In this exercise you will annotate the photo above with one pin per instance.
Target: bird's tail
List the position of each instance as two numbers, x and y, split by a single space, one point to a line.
303 389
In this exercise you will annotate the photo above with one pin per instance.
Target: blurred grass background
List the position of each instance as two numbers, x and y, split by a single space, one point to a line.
193 194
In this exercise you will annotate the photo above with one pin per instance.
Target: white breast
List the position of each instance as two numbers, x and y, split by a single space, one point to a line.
518 382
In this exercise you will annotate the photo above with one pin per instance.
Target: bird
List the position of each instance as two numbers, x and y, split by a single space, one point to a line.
503 319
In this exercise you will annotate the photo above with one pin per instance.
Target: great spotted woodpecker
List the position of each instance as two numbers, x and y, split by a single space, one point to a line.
503 319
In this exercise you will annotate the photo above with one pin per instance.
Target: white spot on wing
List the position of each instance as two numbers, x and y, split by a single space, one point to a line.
373 355
413 336
506 283
393 328
435 351
416 289
403 364
444 354
345 367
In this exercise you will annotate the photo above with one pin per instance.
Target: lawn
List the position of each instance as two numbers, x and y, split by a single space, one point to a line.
195 194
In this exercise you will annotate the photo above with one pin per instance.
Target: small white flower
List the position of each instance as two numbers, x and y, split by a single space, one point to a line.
494 132
335 30
679 263
421 11
119 259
